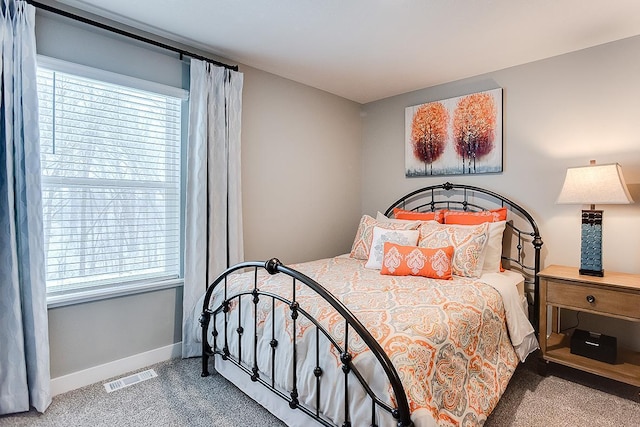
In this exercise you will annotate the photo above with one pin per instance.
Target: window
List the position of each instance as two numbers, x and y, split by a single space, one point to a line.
111 181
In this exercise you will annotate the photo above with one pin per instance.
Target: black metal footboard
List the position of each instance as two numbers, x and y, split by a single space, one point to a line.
220 339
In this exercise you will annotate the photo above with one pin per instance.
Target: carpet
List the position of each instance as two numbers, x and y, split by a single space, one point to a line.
180 397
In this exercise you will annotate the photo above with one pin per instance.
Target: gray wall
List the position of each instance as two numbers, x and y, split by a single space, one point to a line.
301 183
557 113
300 170
83 336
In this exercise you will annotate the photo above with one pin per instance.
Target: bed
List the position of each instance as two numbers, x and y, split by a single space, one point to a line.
422 324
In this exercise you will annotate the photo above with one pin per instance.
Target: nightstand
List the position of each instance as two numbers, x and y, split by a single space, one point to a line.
614 295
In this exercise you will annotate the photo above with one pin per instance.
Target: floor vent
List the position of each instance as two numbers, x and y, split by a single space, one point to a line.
130 380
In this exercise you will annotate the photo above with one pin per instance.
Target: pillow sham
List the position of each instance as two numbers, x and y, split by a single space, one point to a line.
435 263
469 244
420 216
382 235
474 218
364 235
497 219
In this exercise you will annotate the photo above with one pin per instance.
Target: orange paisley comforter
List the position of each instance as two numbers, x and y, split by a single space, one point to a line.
447 339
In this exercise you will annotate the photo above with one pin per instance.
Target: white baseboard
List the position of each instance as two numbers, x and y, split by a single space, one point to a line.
95 374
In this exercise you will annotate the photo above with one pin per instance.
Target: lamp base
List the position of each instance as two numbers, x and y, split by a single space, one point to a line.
591 244
598 273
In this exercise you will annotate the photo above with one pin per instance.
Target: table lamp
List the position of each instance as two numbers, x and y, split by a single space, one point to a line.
591 185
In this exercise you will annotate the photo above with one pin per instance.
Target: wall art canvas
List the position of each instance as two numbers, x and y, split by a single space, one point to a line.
455 136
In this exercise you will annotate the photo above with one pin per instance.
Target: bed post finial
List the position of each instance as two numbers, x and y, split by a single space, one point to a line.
272 265
447 186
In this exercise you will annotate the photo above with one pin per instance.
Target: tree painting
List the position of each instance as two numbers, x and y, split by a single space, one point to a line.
474 124
454 136
429 133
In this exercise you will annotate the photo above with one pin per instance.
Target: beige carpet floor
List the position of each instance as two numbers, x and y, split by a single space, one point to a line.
180 397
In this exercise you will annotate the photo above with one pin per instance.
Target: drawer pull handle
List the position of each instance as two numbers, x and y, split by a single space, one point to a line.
591 299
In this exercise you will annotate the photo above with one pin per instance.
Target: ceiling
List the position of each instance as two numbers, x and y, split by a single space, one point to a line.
365 50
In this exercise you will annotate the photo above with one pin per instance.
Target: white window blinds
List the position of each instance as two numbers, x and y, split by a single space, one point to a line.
110 182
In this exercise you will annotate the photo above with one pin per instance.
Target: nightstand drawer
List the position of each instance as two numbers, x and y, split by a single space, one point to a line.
594 298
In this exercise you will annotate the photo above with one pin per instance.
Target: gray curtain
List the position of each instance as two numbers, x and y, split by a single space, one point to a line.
24 338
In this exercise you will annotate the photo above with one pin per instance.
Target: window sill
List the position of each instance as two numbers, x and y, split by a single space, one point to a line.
85 296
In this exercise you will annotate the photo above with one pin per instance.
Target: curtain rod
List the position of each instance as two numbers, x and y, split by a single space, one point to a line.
128 34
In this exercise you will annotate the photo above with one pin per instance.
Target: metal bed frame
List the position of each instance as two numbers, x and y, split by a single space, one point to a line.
432 198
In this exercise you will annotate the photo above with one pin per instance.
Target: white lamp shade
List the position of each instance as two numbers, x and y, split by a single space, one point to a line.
595 184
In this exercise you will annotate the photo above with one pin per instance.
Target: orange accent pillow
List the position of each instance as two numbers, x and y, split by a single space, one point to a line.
435 263
420 216
475 218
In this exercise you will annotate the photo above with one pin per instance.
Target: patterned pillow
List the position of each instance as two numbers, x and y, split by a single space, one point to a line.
364 235
420 216
400 260
382 235
497 219
469 243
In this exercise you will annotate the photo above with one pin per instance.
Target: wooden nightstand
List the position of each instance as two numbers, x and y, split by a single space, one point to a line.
614 295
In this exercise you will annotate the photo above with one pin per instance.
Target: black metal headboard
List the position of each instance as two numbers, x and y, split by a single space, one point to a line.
521 237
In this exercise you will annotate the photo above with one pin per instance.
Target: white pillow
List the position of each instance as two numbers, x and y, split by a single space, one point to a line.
493 251
382 235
